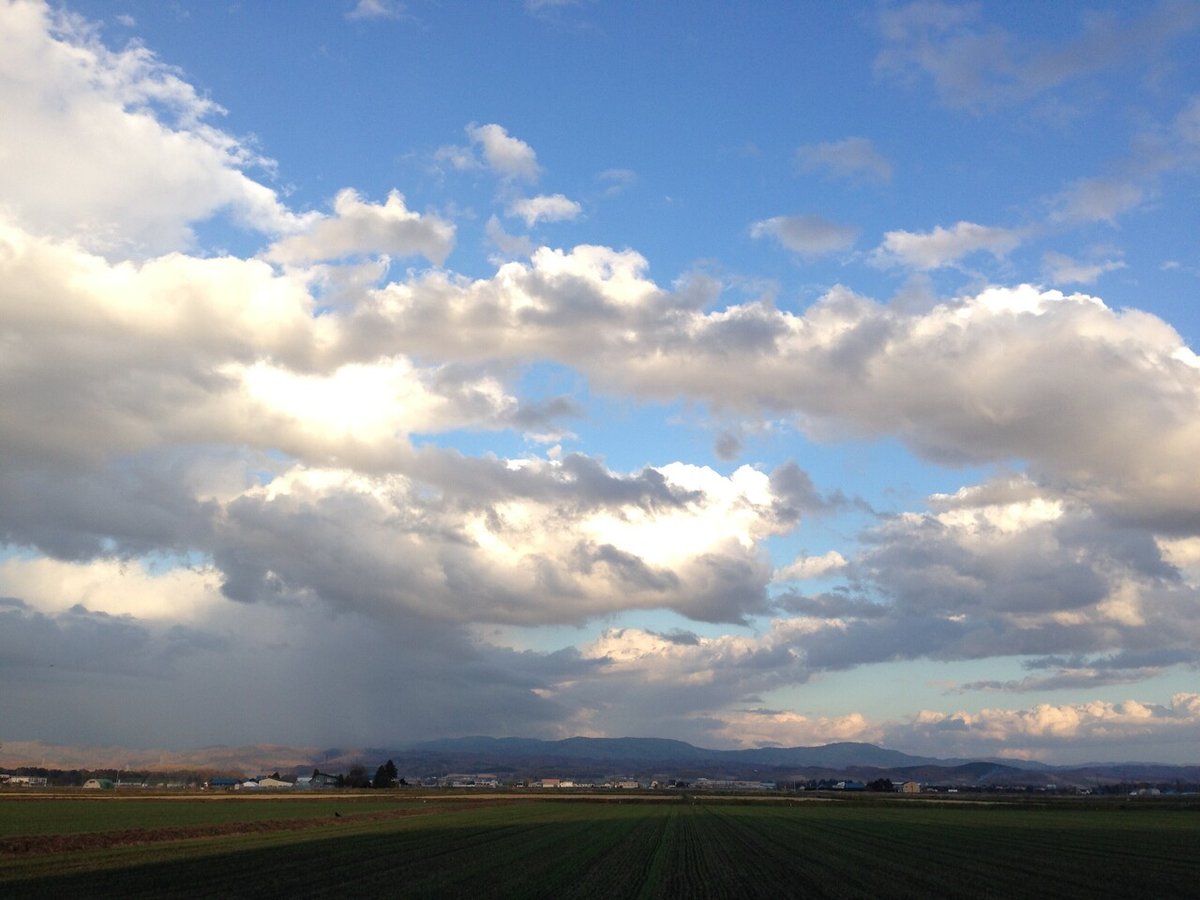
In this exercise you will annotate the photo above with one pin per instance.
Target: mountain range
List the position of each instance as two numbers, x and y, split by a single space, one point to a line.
591 759
597 758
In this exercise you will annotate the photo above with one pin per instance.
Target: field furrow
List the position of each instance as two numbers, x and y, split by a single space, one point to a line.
578 849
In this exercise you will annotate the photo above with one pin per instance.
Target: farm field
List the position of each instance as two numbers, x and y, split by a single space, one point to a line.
401 845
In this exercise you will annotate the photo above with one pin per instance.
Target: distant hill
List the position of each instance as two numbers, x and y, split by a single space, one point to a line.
598 758
828 756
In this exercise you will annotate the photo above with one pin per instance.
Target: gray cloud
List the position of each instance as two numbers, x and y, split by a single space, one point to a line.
854 158
975 65
808 235
484 542
295 674
250 428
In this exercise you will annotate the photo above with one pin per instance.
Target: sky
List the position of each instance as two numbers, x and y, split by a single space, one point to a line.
745 374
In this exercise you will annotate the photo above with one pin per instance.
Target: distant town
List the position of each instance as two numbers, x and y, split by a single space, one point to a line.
621 764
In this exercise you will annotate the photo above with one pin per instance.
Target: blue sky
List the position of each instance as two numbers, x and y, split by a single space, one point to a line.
757 374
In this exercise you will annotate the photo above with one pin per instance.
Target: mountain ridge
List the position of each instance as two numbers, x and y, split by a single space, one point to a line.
594 758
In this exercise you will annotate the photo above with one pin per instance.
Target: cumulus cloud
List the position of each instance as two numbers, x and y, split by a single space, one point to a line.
122 589
985 378
759 727
982 379
525 543
544 208
1084 730
504 154
146 131
360 228
218 471
1005 568
680 678
853 158
808 567
945 246
809 235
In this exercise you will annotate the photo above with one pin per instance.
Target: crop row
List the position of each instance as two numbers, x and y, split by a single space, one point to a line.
590 850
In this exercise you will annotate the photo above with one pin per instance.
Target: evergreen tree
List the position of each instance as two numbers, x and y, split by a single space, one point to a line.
385 775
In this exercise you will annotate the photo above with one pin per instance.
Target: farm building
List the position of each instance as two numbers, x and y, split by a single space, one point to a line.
910 787
98 784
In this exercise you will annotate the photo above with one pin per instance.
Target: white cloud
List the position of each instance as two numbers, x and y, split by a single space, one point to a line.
377 9
852 158
784 728
1062 269
1083 730
112 587
505 155
806 235
544 208
146 136
805 568
945 246
984 378
511 245
362 228
1096 200
535 6
617 180
367 405
529 542
1008 568
173 426
461 159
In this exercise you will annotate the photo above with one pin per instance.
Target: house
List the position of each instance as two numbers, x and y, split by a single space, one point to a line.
910 787
323 780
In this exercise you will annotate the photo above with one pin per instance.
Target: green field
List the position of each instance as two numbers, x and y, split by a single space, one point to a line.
398 845
72 814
